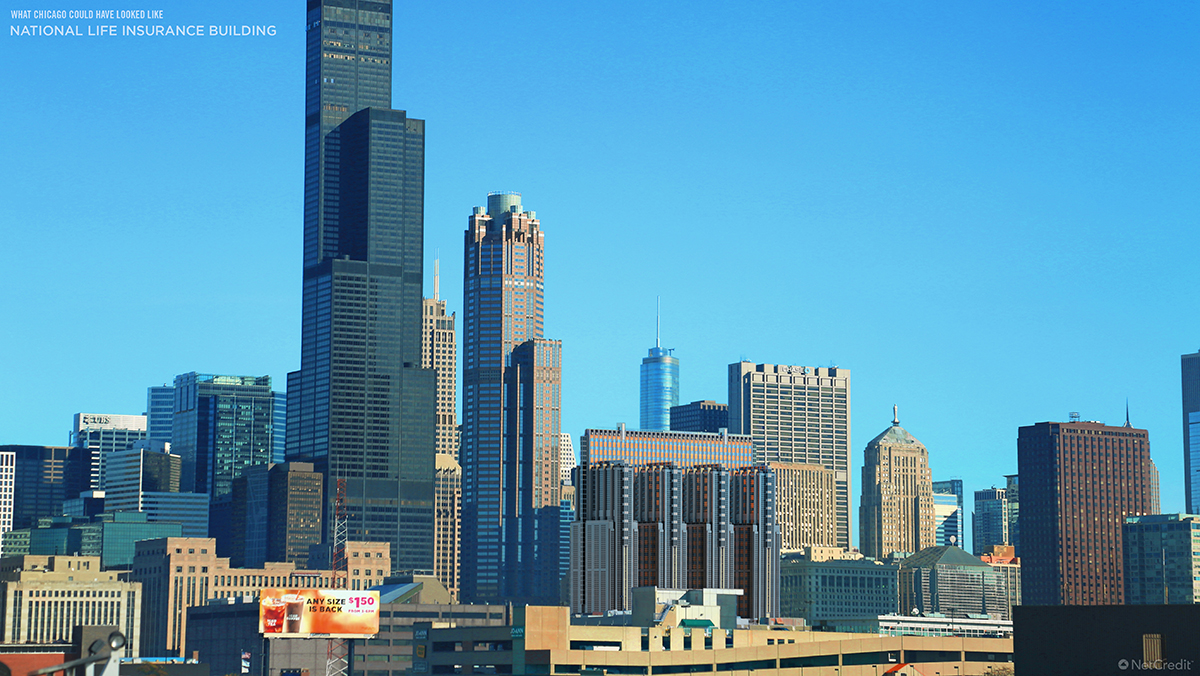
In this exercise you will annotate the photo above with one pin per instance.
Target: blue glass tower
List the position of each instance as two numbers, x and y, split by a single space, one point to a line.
1189 370
659 387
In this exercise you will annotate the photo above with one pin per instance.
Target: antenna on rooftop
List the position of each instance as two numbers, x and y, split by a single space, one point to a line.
657 320
436 274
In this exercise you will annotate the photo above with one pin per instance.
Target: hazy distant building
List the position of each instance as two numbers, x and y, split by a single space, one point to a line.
279 428
990 521
512 398
8 473
819 588
659 388
948 513
896 512
108 535
439 351
950 581
640 447
447 542
1079 481
1161 559
700 416
797 414
806 505
679 528
566 456
1189 367
160 412
103 433
1012 495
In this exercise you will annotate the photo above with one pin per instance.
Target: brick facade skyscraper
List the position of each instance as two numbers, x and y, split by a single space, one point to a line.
1079 480
511 408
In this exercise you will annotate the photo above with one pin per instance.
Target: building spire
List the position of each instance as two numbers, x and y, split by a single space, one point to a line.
436 274
895 414
657 320
1127 412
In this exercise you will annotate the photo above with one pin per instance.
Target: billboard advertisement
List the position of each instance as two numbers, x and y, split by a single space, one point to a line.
318 613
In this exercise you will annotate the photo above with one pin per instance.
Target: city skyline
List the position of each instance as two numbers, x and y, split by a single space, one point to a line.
996 234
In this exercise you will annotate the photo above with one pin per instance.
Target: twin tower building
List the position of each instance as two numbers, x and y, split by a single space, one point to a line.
362 408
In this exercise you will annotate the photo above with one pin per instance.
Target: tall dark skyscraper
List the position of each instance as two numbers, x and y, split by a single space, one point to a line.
361 408
511 403
1189 367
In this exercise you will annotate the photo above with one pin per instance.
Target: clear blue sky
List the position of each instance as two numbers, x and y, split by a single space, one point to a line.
988 212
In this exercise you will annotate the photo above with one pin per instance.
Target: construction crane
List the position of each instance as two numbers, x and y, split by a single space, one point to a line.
336 663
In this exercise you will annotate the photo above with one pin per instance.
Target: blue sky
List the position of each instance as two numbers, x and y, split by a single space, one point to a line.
988 212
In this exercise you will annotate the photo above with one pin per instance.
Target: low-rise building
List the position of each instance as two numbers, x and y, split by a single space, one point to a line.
225 628
815 586
45 597
948 581
544 640
181 573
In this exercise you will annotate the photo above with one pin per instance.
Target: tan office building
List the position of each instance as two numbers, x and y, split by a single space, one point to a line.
896 510
179 573
46 596
439 351
806 505
797 414
447 491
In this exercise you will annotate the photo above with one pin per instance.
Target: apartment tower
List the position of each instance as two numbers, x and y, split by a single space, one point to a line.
511 406
361 408
797 414
1080 481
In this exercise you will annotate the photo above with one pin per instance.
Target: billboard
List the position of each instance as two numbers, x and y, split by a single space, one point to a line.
318 613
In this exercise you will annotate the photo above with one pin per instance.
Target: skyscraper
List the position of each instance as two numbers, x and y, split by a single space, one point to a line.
361 408
448 542
439 351
990 521
948 513
659 387
1189 368
103 433
897 495
1079 481
223 424
160 412
511 409
797 414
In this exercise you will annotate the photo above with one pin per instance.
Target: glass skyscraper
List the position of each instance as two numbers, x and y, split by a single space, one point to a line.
511 407
659 389
361 408
222 425
1189 371
948 513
